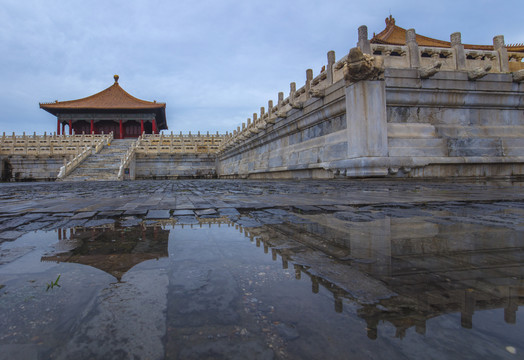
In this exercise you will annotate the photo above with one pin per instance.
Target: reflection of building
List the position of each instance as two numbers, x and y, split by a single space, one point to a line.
114 251
429 269
111 110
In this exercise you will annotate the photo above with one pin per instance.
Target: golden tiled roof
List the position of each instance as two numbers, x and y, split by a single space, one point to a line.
395 35
112 98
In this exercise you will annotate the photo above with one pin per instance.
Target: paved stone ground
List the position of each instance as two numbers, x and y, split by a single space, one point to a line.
431 237
45 206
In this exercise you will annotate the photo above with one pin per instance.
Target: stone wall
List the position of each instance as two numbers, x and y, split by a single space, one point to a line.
174 166
312 135
449 125
404 111
40 157
30 168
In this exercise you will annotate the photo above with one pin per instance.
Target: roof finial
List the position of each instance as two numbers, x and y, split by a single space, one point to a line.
390 20
116 78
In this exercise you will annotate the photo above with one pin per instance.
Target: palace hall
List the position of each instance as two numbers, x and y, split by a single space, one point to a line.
111 110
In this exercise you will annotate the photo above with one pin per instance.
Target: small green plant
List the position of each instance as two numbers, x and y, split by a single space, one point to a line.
52 284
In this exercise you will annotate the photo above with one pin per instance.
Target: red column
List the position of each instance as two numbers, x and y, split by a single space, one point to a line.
141 127
57 127
121 130
63 128
92 126
70 127
154 126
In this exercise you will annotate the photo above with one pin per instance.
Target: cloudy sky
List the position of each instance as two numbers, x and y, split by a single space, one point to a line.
213 62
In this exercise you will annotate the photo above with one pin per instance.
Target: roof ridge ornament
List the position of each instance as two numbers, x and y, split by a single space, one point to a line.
390 21
116 77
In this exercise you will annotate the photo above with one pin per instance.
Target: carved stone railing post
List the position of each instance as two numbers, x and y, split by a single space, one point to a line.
270 115
292 90
309 77
500 47
280 100
292 94
363 43
456 45
414 54
331 62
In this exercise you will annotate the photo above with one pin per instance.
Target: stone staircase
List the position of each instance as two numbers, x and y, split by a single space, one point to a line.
104 165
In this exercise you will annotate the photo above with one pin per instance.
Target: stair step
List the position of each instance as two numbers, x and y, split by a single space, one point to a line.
103 166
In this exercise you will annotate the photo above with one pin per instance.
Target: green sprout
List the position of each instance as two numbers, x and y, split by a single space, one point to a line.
52 284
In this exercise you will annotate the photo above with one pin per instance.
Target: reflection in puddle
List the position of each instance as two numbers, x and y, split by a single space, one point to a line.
318 286
114 251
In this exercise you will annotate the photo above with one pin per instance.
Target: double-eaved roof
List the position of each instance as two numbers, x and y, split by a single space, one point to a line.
396 35
112 99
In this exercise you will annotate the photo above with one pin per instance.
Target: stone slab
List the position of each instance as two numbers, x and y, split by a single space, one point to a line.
83 215
183 212
228 212
139 212
158 214
205 212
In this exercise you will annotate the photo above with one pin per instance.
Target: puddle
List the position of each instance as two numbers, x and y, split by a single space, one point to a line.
369 284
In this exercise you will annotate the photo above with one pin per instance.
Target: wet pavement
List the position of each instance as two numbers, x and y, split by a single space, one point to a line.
212 269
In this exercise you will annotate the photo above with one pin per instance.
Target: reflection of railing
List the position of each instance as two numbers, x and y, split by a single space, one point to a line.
71 165
432 302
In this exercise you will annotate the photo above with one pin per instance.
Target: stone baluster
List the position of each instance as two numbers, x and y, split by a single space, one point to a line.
292 91
414 54
270 117
309 77
458 49
280 100
363 43
331 63
260 124
500 48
